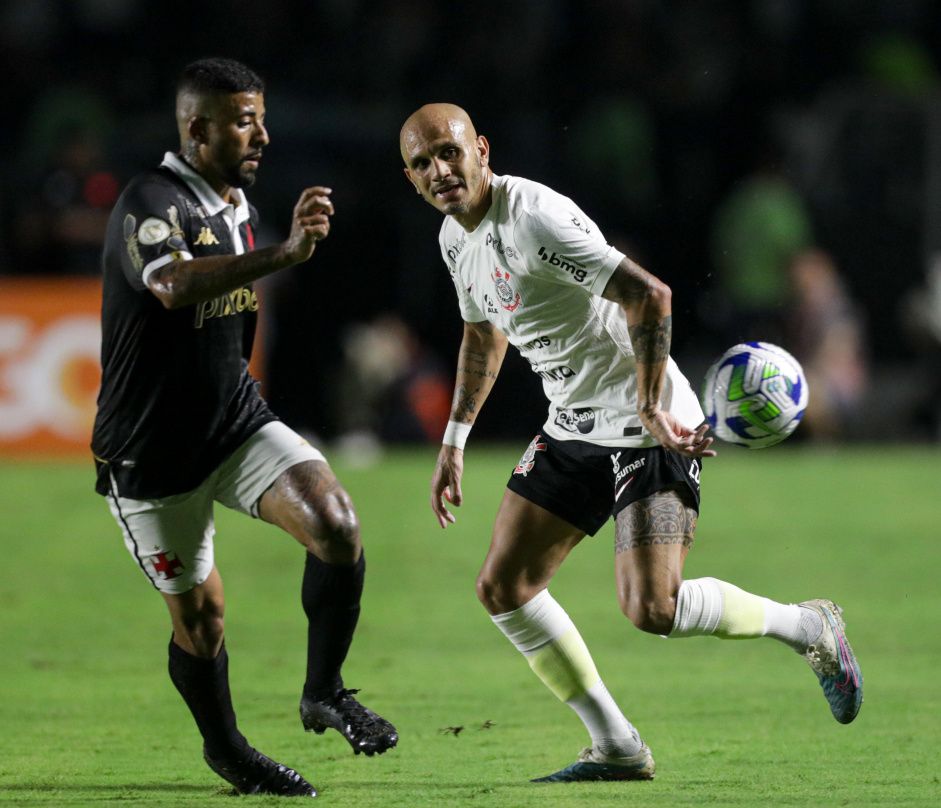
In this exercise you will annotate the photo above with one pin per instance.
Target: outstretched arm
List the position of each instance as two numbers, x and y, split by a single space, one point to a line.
479 361
182 283
647 302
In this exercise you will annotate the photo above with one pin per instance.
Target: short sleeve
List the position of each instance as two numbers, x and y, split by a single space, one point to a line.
470 312
565 246
153 229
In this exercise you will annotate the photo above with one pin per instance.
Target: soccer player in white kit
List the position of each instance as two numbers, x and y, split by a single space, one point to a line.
624 438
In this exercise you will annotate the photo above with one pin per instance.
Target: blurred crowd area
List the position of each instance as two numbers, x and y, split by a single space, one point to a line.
777 162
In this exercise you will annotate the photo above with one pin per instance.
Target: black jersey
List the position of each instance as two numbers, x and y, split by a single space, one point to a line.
176 397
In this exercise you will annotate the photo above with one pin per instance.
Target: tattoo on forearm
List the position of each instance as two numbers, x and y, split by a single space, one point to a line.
465 405
483 373
660 519
651 340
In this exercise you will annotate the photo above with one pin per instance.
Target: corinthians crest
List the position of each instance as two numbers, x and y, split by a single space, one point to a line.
501 283
528 460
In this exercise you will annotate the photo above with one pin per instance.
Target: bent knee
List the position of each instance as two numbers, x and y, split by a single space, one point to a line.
653 615
200 633
332 529
499 596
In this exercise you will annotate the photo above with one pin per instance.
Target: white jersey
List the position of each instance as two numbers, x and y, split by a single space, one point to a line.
536 267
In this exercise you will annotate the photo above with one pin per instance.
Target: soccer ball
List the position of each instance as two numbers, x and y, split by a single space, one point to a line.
755 395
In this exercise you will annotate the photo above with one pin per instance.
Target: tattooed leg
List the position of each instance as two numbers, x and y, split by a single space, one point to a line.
652 539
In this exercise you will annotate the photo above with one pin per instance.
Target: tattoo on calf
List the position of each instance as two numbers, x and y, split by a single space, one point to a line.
651 341
660 519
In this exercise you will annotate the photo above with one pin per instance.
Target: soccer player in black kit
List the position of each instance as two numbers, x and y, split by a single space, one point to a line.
181 423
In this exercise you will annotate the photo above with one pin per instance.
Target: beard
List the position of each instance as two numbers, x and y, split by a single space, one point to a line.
239 176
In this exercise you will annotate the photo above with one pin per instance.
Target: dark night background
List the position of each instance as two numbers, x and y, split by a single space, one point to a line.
650 115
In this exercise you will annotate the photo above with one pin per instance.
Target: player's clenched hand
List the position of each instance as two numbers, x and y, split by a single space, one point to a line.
676 437
446 483
311 222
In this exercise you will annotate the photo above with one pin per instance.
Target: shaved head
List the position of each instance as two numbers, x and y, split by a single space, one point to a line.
447 162
434 120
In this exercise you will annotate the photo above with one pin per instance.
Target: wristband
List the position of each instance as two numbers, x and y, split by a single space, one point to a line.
456 434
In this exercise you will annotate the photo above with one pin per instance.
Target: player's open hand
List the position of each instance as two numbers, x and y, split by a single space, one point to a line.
676 437
446 483
311 222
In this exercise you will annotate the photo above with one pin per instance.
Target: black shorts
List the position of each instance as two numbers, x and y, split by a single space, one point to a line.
586 484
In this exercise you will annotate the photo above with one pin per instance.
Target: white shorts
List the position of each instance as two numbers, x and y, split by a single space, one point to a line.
171 538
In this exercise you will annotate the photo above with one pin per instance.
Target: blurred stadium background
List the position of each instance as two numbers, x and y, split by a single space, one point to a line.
778 162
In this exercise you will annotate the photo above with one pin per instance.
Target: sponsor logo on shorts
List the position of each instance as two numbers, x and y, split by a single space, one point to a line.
694 472
621 472
528 460
576 420
167 565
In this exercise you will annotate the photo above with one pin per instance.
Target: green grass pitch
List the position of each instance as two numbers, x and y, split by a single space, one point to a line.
88 715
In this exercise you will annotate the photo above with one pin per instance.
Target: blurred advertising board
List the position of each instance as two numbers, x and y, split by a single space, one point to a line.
50 366
50 342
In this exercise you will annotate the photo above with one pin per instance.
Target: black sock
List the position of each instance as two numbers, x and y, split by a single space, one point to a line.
330 595
204 686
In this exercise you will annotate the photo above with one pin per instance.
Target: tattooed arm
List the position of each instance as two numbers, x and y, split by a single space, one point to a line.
647 302
183 283
479 361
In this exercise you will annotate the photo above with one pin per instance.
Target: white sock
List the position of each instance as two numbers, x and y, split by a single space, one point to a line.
611 733
547 637
707 606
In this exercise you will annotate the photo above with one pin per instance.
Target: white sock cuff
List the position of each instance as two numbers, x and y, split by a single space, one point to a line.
535 624
698 608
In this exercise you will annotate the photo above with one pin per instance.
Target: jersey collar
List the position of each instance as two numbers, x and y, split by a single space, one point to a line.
479 233
208 198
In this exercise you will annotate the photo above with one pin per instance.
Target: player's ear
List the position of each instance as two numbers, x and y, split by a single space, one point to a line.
409 175
483 151
197 129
